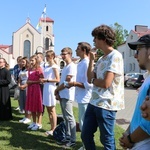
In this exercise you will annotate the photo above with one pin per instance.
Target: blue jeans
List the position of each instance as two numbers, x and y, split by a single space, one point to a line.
81 109
105 120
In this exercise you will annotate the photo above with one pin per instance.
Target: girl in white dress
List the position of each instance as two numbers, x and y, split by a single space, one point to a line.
51 77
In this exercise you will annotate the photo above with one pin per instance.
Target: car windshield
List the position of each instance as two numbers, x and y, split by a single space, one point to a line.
136 76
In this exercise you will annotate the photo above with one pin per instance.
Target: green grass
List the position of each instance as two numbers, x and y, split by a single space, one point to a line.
15 136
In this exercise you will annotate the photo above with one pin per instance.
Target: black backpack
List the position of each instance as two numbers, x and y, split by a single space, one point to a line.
60 132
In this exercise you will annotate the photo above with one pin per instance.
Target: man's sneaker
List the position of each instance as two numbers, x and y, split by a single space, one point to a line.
26 121
64 141
31 125
22 120
70 144
36 127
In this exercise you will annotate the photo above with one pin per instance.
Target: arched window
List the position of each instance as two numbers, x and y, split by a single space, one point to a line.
130 67
47 44
62 64
27 48
130 53
46 28
133 66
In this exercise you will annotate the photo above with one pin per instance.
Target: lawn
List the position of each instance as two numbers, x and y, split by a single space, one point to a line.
16 136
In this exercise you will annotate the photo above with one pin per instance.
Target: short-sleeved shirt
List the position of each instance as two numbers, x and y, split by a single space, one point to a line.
83 95
23 75
137 119
111 98
68 93
16 71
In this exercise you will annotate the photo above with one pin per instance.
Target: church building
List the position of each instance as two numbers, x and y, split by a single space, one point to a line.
28 40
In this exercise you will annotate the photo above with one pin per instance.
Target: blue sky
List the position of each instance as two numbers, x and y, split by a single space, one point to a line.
73 19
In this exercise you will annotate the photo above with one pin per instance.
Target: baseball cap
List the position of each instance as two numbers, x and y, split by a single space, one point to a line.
143 40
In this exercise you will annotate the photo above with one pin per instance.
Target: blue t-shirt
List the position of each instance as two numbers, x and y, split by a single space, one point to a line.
137 119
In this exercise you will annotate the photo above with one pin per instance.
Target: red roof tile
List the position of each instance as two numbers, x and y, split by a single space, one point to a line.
47 19
4 46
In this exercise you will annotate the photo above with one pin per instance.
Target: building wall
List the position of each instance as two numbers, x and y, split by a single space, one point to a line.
130 63
27 32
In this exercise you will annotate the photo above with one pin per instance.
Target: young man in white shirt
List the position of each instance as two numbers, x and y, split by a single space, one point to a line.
83 89
67 96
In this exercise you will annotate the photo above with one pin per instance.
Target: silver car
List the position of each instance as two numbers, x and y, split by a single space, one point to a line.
131 79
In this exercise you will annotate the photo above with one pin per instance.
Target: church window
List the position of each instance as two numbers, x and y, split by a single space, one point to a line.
62 64
27 48
47 44
46 28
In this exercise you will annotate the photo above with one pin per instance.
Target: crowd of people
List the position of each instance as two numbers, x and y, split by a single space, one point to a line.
98 89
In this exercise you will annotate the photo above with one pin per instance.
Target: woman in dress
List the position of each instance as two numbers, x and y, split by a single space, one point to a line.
34 95
51 77
5 79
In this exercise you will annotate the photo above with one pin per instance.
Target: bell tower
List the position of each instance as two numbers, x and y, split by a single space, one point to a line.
47 36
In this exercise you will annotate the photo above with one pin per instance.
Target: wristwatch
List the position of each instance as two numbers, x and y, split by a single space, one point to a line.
92 80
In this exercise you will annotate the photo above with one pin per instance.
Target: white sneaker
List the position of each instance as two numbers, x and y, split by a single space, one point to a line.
31 125
26 121
49 133
21 111
18 108
81 148
22 120
36 127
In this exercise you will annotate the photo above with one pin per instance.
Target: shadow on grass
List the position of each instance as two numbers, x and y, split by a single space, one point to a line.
16 136
19 137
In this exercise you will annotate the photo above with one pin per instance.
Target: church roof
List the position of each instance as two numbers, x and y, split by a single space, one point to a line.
47 19
4 46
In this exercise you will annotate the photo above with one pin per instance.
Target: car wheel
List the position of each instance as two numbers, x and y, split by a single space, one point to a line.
125 83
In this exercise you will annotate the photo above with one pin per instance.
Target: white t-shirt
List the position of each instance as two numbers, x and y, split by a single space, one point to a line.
23 75
111 98
68 93
83 95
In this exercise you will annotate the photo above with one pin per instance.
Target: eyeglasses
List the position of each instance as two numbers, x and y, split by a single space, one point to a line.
47 55
64 53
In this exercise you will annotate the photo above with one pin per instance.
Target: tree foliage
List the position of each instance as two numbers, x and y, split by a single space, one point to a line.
121 34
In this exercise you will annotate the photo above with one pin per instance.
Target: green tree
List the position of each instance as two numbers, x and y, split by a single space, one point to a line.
121 34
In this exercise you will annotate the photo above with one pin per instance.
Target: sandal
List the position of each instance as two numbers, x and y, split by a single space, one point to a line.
49 133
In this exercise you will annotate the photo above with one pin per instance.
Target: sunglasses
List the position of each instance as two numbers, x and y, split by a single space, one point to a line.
139 47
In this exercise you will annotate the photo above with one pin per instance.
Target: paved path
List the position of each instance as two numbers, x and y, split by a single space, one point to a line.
124 117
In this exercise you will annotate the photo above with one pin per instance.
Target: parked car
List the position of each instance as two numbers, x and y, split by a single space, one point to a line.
135 80
139 81
127 76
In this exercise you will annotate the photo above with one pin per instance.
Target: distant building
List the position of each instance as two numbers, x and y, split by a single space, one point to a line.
27 40
130 63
